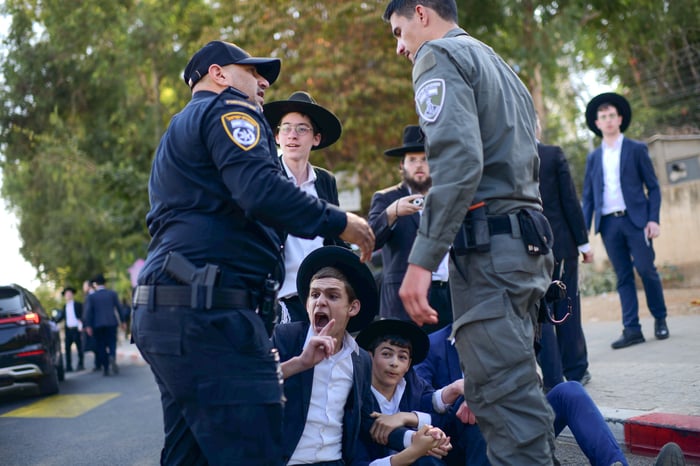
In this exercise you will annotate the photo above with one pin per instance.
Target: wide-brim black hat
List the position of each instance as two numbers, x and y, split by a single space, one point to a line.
617 101
357 273
413 141
222 53
419 340
301 102
67 288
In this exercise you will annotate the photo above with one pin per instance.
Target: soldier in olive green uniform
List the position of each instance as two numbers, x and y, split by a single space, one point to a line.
479 123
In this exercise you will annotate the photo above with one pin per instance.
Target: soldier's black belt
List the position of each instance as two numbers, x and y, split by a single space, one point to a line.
180 296
499 225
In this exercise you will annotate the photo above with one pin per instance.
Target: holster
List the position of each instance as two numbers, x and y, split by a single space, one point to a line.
473 234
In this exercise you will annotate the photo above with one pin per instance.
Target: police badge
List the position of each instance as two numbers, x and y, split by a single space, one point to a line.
429 99
243 130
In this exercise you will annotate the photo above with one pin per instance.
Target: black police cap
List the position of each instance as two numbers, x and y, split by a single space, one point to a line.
225 53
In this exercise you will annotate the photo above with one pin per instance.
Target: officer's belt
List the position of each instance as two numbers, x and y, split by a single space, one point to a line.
499 224
161 295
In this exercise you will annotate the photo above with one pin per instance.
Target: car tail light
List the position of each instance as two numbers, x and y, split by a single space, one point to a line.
28 318
25 354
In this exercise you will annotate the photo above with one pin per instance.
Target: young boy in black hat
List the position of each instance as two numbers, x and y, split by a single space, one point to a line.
327 376
301 126
401 397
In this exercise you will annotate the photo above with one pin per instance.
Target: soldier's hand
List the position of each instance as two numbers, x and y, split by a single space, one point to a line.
359 232
414 295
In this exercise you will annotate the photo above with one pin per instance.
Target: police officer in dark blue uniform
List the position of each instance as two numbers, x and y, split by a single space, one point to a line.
220 209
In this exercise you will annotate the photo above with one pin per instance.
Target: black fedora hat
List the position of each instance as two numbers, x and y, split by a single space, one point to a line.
67 288
413 141
420 342
218 52
357 273
301 102
617 101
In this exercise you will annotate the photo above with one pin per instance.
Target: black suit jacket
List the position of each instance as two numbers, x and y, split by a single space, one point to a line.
327 189
77 308
396 244
289 341
561 205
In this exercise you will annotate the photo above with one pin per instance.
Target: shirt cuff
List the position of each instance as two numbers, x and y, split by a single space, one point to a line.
423 419
439 406
386 461
584 248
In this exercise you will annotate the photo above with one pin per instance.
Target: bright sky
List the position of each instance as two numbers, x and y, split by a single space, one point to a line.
13 268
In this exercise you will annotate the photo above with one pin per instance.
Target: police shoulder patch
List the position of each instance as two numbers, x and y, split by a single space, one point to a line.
430 97
242 128
242 103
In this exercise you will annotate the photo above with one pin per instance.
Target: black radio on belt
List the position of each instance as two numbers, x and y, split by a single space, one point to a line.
200 279
474 232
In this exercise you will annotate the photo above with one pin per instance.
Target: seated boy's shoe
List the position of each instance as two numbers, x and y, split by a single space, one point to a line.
660 329
670 455
628 338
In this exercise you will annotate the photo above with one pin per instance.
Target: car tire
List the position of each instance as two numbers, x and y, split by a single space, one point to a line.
60 369
48 383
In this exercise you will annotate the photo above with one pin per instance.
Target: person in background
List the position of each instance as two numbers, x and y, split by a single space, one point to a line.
394 215
563 350
102 319
73 314
301 126
479 124
621 192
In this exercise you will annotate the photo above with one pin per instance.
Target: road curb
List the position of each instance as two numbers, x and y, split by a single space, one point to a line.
646 432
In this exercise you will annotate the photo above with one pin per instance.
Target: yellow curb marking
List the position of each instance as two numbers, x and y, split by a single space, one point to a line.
65 406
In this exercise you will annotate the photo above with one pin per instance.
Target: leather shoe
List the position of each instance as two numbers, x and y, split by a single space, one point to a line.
585 378
628 338
661 329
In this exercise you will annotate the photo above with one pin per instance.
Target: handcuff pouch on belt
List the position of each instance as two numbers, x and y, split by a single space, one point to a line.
473 234
536 232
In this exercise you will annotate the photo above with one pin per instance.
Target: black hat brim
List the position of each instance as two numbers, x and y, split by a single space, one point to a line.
357 273
419 340
328 124
619 102
401 151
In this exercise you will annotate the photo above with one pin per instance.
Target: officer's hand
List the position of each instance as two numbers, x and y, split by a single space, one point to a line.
358 232
414 295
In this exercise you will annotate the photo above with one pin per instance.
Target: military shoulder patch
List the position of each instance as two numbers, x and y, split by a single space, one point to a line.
243 129
429 99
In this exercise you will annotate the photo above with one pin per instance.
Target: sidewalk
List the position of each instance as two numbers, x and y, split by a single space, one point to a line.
649 393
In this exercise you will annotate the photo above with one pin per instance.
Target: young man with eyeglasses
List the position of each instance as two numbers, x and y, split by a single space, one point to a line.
301 126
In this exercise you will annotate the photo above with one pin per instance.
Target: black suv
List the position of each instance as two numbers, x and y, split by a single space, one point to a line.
30 343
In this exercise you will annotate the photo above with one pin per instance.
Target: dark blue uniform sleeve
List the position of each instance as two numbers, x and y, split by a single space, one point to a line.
240 143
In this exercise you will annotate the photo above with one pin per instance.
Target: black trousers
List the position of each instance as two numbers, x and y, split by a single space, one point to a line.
73 336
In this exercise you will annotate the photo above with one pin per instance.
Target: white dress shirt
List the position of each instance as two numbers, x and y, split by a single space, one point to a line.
612 190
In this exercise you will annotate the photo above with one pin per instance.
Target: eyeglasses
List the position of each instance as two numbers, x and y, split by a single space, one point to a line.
301 129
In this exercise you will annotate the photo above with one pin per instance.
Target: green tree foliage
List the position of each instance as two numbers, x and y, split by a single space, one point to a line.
89 87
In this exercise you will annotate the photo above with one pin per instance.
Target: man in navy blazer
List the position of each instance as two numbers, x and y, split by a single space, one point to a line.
563 350
102 318
621 191
394 216
327 376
